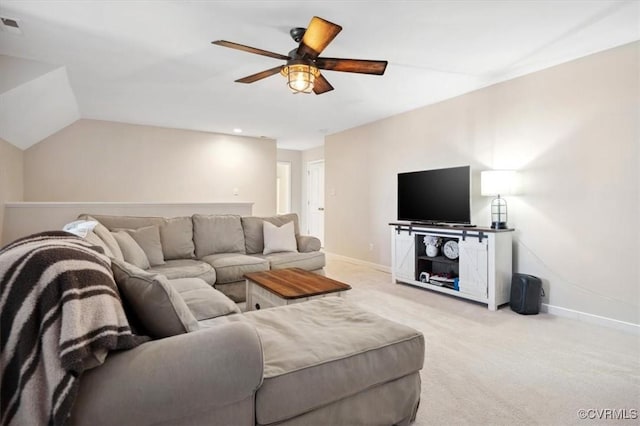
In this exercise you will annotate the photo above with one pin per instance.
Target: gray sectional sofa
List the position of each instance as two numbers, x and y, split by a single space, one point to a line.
322 362
218 249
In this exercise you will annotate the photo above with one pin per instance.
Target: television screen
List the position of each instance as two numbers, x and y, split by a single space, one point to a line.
442 195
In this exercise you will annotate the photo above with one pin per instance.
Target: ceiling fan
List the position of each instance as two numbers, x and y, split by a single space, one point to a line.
303 63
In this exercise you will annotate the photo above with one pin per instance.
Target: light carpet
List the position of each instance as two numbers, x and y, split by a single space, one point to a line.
501 368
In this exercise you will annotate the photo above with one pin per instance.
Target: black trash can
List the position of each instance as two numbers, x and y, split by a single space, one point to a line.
526 294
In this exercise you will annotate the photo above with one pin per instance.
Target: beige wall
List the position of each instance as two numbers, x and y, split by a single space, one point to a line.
572 131
11 181
94 160
313 154
295 158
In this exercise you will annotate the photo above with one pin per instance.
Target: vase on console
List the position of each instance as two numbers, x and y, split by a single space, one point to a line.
431 244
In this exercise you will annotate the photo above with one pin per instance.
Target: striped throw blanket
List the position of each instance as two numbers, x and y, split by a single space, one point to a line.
60 313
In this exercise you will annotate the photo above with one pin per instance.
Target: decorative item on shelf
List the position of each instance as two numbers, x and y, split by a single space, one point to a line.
431 244
442 280
451 249
496 183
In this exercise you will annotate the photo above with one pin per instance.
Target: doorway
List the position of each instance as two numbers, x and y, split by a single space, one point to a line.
315 199
283 187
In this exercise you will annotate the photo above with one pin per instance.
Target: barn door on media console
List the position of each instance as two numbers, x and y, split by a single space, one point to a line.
473 266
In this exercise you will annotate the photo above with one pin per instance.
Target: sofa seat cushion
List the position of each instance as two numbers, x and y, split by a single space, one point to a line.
235 290
231 267
203 301
217 321
322 351
307 261
186 268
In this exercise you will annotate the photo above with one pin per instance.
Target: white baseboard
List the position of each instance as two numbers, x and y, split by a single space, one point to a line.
546 308
355 261
628 327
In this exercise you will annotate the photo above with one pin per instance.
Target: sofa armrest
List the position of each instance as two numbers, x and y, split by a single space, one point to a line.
172 378
307 243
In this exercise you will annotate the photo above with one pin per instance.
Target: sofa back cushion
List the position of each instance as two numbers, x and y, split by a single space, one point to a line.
213 234
148 238
131 250
103 233
204 301
93 238
125 222
254 233
176 235
156 304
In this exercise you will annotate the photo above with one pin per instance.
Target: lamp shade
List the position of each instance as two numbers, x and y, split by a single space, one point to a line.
497 182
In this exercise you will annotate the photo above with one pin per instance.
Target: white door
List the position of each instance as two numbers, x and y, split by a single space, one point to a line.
283 187
473 266
315 202
404 255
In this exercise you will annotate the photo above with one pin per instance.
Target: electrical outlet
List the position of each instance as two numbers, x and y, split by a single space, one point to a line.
370 246
236 191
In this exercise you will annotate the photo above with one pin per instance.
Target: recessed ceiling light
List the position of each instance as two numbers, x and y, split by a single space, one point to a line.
237 130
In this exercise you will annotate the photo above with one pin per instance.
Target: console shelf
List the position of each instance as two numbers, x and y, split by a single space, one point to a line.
439 259
482 271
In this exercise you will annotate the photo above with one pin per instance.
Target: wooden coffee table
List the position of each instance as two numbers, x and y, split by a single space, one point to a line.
287 286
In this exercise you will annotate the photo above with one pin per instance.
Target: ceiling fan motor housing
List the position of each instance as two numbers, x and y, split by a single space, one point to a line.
297 33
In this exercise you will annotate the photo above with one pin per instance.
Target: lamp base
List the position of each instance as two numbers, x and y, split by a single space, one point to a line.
498 225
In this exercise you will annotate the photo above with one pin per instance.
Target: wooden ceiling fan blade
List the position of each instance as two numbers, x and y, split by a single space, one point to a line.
249 49
321 85
361 66
260 75
317 37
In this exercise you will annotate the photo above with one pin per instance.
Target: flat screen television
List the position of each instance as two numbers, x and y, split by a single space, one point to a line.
435 196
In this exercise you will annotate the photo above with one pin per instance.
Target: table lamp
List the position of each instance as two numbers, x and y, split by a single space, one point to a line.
496 183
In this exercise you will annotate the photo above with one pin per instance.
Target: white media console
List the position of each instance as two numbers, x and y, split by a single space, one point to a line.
482 272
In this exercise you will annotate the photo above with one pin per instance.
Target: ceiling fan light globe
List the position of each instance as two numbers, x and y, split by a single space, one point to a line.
300 77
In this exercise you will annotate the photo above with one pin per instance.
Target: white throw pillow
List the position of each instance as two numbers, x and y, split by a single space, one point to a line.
279 238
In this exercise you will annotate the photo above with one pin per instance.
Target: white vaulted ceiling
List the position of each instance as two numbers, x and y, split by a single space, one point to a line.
152 62
36 100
